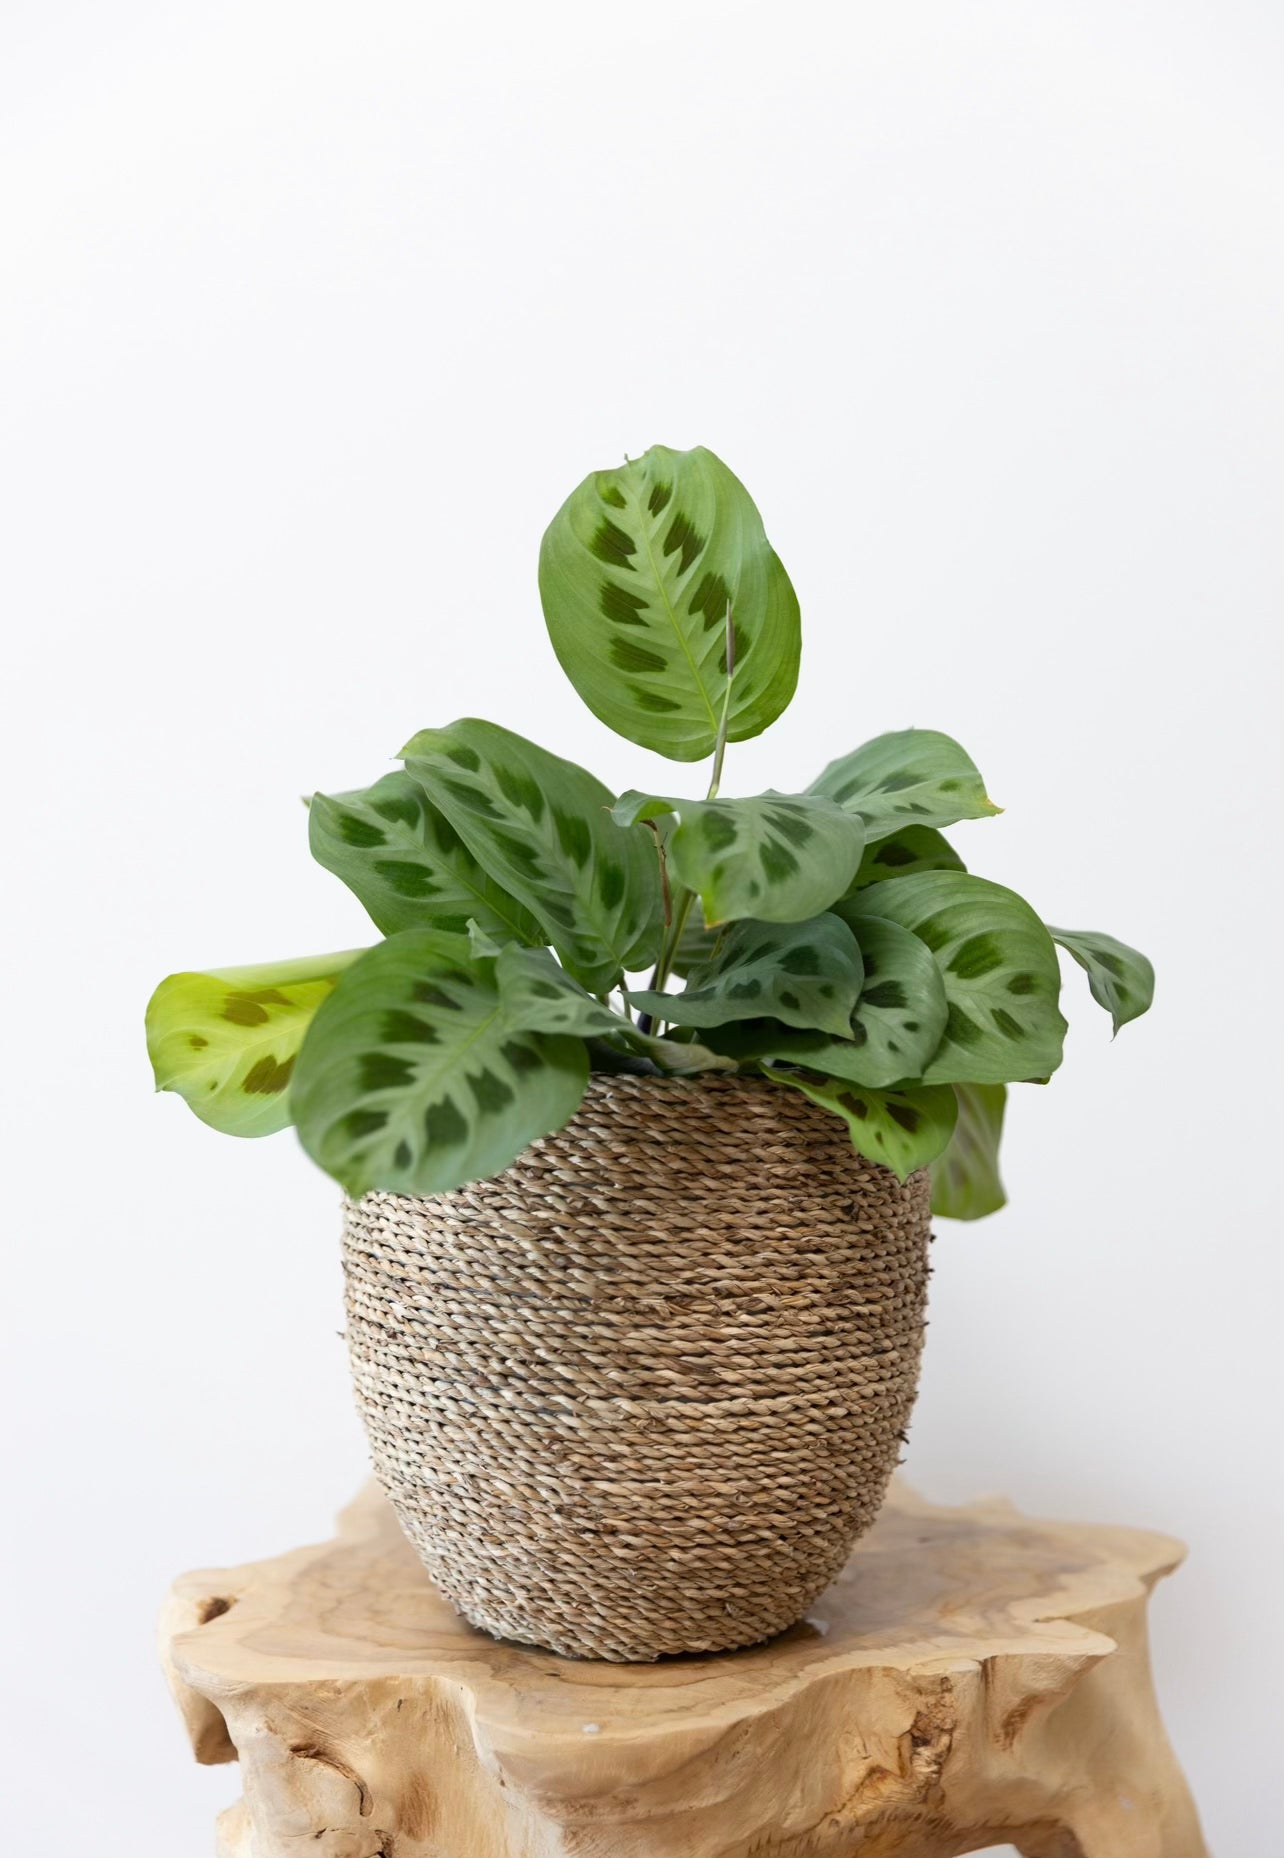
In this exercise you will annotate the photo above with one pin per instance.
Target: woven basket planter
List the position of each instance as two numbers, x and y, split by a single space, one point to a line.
641 1393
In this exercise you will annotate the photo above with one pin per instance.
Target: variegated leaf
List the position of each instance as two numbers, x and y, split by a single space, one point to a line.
999 967
1120 978
227 1040
900 1016
905 851
806 974
636 573
781 858
903 1129
404 861
965 1176
415 1076
541 997
766 1041
542 828
912 776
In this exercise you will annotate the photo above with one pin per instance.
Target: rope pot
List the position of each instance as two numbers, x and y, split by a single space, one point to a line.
640 1393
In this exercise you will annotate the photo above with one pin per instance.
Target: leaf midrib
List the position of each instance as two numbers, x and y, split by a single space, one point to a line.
673 617
456 1056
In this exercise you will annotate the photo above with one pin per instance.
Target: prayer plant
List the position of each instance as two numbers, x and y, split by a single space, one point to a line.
831 941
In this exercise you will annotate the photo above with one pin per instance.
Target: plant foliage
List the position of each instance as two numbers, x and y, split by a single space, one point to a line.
537 926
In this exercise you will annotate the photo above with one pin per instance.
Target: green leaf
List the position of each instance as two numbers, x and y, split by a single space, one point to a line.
855 1061
541 997
227 1040
806 974
406 864
999 967
1120 978
416 1077
542 828
900 1016
636 572
913 776
888 1037
781 858
905 851
965 1178
903 1129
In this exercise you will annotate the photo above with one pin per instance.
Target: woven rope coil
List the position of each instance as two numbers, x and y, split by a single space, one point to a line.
640 1393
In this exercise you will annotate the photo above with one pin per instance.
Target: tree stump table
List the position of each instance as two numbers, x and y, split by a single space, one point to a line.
972 1679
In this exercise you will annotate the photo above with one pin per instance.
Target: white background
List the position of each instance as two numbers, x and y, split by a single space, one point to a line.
312 316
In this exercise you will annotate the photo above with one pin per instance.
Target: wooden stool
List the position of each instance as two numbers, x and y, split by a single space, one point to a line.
972 1678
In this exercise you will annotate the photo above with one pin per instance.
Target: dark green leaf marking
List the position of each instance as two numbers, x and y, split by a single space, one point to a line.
611 544
267 1077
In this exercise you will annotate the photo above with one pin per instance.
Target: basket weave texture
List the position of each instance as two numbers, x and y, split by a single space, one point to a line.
640 1393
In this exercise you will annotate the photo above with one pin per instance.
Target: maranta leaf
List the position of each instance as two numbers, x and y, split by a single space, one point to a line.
999 967
903 1129
416 1076
542 828
1120 978
965 1176
636 573
227 1040
781 858
805 974
910 777
900 1017
404 861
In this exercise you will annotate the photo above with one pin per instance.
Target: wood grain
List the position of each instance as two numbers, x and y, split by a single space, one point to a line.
972 1678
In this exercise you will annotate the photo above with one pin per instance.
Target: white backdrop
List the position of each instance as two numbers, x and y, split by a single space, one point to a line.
312 315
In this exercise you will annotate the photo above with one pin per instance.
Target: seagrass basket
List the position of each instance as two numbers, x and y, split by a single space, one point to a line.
640 1393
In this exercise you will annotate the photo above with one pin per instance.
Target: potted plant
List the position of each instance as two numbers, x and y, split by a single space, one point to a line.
642 1103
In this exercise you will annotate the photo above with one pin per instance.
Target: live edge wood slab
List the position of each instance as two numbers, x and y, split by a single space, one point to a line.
972 1678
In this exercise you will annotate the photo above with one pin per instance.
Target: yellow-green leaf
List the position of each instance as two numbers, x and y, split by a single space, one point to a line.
226 1040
